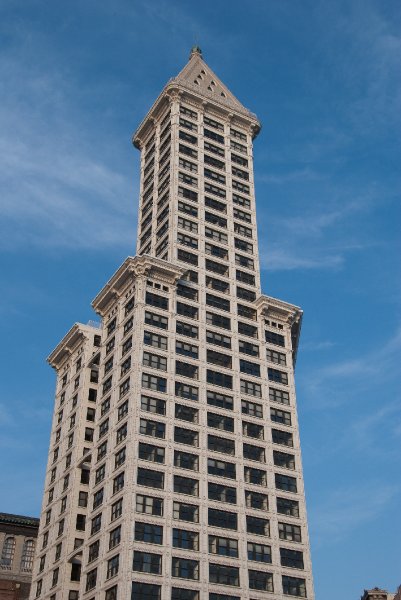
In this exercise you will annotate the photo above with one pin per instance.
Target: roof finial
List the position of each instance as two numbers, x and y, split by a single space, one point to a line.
195 51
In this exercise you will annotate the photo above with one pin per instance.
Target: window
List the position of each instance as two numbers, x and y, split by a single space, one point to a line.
185 460
260 580
186 349
186 512
248 348
153 405
251 388
155 340
284 460
223 546
146 532
220 400
255 476
294 586
257 526
111 593
185 485
103 428
280 416
222 518
217 302
115 537
149 505
223 597
277 376
79 523
291 558
216 267
187 292
253 430
184 390
156 300
186 223
284 438
189 540
251 408
254 453
186 436
146 562
124 387
151 453
219 378
186 329
93 551
152 382
219 444
215 149
83 498
188 257
215 220
276 357
145 591
246 329
256 500
55 577
244 294
220 422
217 358
118 483
121 433
218 339
96 524
152 428
220 468
28 552
182 594
187 240
98 498
288 507
289 532
185 568
186 413
154 361
119 458
279 396
217 284
222 493
156 320
285 482
186 369
8 551
223 574
150 478
274 338
249 368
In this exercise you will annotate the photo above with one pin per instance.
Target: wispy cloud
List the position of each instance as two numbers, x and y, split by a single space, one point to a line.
56 188
347 508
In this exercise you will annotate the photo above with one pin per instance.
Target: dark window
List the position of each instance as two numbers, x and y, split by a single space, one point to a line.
284 460
145 591
184 390
218 378
285 482
291 558
280 416
220 422
254 453
289 532
146 562
277 376
185 460
217 358
187 330
186 413
284 438
285 506
260 580
223 546
257 526
256 500
223 574
152 428
222 518
186 369
249 368
279 396
252 430
153 405
185 568
150 478
274 338
220 468
150 452
151 534
251 408
189 540
185 485
221 444
185 512
222 493
255 476
186 436
294 586
220 400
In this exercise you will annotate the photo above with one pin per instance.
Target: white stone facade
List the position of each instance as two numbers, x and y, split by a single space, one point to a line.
196 487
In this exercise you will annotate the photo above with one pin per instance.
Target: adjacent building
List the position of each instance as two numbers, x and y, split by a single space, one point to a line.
17 546
175 465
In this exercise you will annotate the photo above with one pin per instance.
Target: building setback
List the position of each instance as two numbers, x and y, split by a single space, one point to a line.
175 465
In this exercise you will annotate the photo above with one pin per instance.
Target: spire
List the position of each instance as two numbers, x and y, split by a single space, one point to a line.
195 51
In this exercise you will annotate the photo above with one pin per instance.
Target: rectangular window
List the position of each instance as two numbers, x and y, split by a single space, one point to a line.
217 302
218 320
220 268
187 330
294 586
146 562
220 468
220 379
289 532
186 413
149 505
248 330
250 368
218 358
182 594
217 284
152 382
286 483
251 388
222 518
220 400
244 294
187 310
252 452
280 416
284 438
186 349
186 436
155 340
276 357
291 558
284 460
154 361
185 568
186 369
187 257
151 453
223 546
153 405
185 512
185 460
256 500
152 428
251 408
151 534
279 396
222 422
260 580
185 485
253 430
222 493
277 376
274 338
223 574
150 478
220 444
156 320
288 507
257 526
218 339
189 540
255 476
189 392
215 149
146 591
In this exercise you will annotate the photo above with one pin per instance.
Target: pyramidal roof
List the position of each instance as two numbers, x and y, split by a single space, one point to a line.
197 77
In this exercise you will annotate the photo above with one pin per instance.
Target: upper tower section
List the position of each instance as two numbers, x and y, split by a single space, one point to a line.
194 81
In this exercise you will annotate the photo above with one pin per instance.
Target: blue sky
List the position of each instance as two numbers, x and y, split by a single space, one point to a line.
324 78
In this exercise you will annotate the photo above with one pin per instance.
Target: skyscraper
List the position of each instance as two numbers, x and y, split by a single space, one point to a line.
175 468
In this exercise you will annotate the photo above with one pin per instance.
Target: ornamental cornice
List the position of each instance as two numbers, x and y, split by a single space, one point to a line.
75 336
134 268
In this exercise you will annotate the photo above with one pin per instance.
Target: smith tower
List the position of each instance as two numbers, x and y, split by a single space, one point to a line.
184 478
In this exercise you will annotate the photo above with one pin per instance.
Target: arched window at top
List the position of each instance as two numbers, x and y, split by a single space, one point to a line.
7 553
27 555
